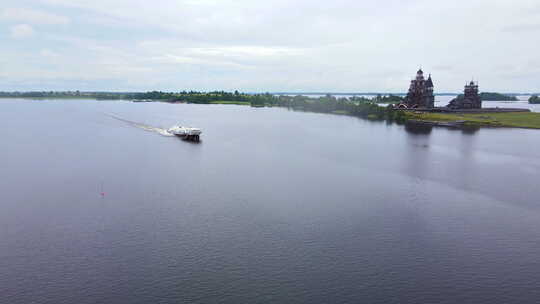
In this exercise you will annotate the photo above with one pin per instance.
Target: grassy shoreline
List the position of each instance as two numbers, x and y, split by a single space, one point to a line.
530 120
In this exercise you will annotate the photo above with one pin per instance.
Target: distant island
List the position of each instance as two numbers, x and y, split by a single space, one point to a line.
534 99
358 106
208 97
491 96
190 96
66 95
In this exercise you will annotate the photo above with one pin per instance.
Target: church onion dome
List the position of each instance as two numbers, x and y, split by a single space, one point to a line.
420 72
472 83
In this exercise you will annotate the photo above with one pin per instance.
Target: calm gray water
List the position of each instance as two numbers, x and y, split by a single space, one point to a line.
273 206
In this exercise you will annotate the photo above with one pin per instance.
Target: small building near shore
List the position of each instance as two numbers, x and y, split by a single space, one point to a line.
469 100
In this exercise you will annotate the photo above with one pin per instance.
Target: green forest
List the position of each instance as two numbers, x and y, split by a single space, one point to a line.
497 97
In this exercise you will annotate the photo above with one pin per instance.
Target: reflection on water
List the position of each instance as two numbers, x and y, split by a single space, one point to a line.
470 129
418 128
422 128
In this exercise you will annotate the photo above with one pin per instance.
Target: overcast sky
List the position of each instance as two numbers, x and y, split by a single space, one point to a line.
271 45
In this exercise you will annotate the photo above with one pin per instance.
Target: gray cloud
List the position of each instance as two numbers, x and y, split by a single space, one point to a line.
526 27
340 45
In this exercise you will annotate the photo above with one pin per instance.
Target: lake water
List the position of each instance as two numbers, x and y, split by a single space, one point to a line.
273 206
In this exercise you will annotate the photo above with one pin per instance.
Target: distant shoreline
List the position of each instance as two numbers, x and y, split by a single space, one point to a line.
92 94
353 106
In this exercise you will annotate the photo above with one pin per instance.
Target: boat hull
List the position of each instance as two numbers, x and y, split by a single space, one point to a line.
189 137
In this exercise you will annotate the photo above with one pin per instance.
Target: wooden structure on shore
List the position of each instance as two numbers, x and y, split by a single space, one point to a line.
420 94
468 111
469 100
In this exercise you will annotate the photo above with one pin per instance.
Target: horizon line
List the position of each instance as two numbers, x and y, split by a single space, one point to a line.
264 92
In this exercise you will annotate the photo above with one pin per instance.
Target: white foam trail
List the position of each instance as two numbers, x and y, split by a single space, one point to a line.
160 131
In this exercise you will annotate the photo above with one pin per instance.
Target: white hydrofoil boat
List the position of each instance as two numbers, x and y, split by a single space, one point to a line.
186 132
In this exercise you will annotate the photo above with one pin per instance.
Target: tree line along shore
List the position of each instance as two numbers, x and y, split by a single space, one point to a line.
358 106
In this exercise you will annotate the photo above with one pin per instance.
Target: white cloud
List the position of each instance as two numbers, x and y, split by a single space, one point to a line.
21 31
32 16
49 54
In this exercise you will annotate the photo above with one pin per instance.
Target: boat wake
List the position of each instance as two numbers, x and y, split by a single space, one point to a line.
148 128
